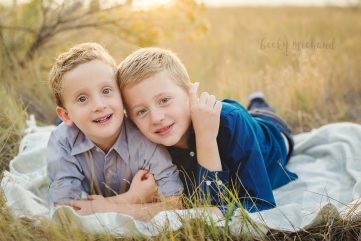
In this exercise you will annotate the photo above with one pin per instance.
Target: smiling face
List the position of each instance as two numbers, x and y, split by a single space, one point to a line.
92 102
160 109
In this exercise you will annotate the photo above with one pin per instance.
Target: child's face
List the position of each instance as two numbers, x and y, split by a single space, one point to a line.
92 102
160 109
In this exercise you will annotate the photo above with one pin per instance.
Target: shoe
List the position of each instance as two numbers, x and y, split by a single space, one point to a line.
256 100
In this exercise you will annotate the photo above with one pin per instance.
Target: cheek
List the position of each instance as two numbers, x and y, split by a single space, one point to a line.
142 125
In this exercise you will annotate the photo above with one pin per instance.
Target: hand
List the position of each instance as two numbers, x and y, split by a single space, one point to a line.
94 203
205 113
143 188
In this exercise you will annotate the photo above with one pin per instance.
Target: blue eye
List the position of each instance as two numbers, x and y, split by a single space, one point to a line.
107 91
82 99
164 100
141 112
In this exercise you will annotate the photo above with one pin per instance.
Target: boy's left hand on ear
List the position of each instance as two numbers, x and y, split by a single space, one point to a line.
205 113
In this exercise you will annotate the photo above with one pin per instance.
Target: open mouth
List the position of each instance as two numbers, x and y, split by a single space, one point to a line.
164 130
103 119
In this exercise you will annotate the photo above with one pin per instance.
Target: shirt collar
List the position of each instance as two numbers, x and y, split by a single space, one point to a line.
78 141
192 139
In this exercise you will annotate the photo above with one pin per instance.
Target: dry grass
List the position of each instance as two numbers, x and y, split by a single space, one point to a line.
309 88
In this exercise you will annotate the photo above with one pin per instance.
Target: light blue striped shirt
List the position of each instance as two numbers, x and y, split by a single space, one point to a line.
76 164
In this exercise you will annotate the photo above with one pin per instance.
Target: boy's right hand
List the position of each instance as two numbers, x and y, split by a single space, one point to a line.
143 188
205 113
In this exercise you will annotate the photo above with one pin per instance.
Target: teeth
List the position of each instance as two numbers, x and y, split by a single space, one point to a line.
102 119
163 129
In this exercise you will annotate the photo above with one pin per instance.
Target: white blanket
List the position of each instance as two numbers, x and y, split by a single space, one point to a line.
327 161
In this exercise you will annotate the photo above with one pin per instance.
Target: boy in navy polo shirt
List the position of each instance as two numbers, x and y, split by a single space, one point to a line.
216 145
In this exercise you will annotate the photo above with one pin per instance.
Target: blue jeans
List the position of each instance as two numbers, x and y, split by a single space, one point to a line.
265 112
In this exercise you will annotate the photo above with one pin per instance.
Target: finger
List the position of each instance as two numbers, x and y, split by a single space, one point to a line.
140 174
212 101
203 99
218 107
145 176
74 203
151 176
93 197
193 93
76 208
83 212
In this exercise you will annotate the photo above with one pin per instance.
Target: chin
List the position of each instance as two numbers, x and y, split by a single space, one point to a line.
170 142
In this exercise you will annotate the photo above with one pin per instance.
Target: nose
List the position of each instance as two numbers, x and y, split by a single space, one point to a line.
99 104
157 116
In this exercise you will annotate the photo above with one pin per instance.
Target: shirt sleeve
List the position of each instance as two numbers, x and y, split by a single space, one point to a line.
64 175
241 153
213 184
257 192
165 172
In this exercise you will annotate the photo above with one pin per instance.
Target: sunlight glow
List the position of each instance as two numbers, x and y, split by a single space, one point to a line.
148 4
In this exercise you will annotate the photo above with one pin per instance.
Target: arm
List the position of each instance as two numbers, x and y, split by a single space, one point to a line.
64 174
243 155
147 211
211 176
205 114
143 189
138 211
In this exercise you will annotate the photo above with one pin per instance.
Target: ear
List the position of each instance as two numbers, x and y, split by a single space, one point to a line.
64 115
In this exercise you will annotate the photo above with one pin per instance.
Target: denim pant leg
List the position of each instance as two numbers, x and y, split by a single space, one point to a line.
280 124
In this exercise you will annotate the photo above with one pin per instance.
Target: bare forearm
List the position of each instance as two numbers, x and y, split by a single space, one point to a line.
208 154
126 197
147 211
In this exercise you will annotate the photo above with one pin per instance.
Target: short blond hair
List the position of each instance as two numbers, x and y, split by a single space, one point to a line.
67 61
146 62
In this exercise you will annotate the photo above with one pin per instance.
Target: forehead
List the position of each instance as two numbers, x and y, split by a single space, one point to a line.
86 77
150 89
91 69
152 85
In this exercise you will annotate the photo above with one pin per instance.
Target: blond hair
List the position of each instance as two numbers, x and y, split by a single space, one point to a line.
67 61
146 62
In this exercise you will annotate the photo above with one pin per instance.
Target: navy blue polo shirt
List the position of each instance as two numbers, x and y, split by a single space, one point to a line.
253 156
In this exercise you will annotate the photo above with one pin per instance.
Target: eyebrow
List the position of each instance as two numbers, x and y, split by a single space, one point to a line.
77 93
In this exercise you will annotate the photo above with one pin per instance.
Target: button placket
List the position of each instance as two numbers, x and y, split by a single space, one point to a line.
110 169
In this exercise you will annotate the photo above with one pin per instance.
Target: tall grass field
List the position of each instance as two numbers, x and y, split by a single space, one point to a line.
307 61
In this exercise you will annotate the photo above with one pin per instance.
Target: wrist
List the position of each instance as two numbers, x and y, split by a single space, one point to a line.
126 197
205 135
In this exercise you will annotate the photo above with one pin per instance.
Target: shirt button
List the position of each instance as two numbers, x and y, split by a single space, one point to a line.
219 182
208 183
191 153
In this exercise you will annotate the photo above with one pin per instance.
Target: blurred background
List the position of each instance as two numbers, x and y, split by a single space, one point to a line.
304 55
